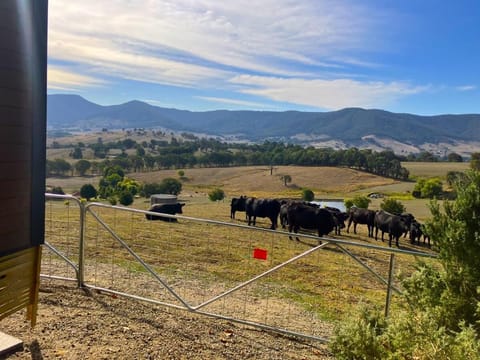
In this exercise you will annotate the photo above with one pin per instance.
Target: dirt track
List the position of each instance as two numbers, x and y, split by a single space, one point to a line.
74 324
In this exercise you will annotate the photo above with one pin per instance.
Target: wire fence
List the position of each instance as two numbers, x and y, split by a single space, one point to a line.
250 275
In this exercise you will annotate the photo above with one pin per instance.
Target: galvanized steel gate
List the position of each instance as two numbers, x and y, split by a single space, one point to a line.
244 274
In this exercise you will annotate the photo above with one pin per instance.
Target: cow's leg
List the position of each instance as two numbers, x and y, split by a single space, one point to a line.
295 230
290 227
376 233
348 226
354 227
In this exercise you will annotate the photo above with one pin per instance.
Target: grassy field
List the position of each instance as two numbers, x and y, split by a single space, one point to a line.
434 169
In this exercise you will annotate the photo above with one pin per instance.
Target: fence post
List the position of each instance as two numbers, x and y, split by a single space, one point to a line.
389 285
81 245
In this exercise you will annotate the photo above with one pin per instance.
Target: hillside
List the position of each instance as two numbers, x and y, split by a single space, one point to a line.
376 129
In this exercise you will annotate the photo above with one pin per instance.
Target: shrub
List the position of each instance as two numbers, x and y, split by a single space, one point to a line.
88 191
216 194
429 188
170 186
358 201
308 195
57 190
125 198
392 206
440 315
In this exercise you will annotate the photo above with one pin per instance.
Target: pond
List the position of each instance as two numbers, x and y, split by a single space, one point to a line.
336 203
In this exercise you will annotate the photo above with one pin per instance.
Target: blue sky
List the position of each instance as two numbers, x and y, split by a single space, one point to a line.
412 56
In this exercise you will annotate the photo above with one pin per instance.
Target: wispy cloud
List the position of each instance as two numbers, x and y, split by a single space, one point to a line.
228 101
281 50
62 79
466 88
261 37
326 94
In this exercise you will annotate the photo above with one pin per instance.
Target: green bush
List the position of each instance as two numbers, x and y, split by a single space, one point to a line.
439 309
429 188
392 206
216 194
308 195
88 191
358 201
125 198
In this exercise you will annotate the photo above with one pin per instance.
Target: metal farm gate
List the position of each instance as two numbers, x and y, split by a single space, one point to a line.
248 275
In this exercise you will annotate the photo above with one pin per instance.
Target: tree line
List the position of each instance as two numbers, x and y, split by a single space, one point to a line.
159 155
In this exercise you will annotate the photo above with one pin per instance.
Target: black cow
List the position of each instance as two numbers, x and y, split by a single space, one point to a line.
361 216
307 217
170 209
284 206
416 232
410 220
283 214
394 225
237 204
265 208
339 218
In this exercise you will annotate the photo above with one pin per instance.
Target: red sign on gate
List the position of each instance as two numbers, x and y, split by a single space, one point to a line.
260 254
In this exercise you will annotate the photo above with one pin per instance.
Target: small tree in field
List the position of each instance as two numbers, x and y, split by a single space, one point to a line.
358 201
308 195
392 206
216 194
286 179
125 198
88 191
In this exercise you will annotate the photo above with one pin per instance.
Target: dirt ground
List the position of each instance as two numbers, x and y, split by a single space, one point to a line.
78 324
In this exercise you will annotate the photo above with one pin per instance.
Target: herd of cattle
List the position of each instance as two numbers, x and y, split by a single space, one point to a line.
296 215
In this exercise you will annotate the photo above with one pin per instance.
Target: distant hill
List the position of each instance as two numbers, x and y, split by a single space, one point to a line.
377 129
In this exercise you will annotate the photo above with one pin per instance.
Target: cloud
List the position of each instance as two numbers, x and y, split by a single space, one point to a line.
198 39
62 79
250 104
466 88
326 94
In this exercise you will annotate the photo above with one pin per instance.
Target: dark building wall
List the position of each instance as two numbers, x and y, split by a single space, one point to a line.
23 63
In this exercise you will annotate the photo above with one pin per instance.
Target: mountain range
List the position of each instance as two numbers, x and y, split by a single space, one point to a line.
376 129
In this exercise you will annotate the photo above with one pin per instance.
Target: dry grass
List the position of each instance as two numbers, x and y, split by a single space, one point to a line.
434 169
254 180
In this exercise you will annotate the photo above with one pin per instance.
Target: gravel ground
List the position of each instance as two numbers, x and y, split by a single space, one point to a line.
77 324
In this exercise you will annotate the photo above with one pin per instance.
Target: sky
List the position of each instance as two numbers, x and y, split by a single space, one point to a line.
408 56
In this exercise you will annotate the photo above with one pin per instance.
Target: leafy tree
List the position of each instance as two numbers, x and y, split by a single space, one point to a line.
59 166
57 190
148 189
454 176
216 194
475 161
125 198
170 186
358 201
454 157
88 191
286 179
129 185
181 173
76 153
392 206
308 195
140 151
82 166
428 188
441 315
